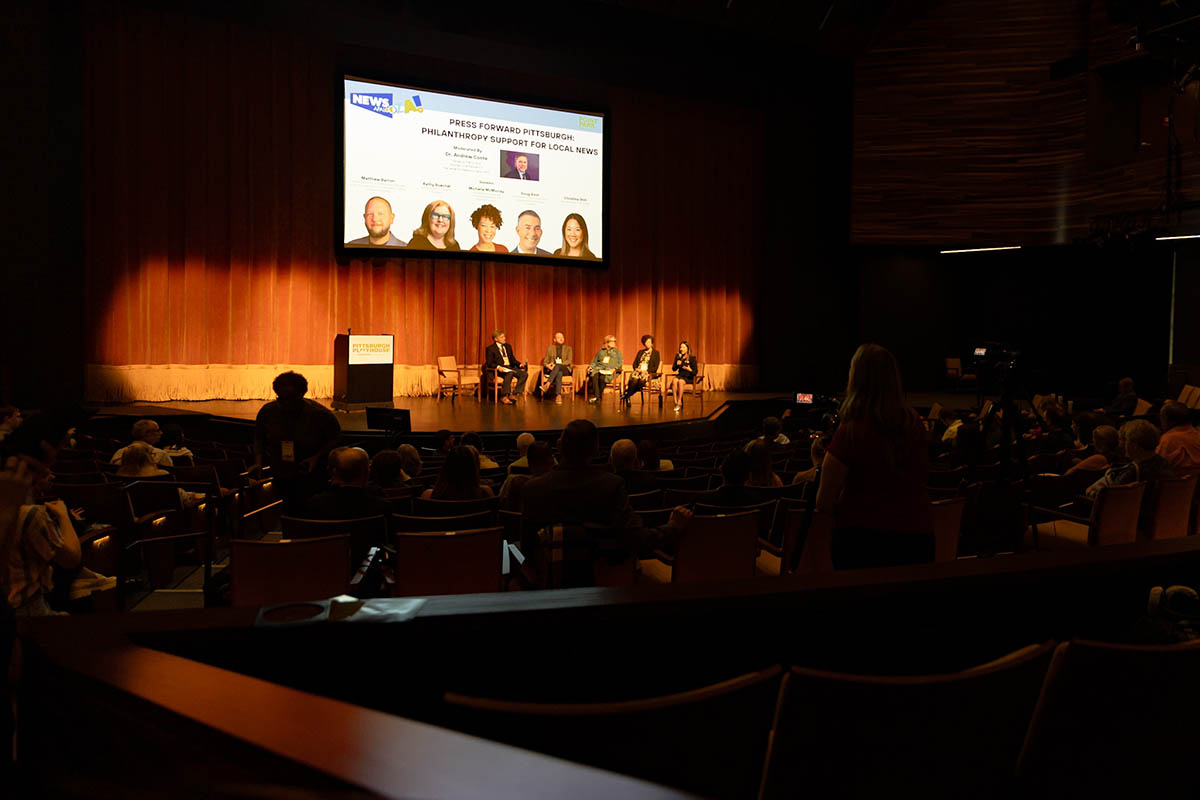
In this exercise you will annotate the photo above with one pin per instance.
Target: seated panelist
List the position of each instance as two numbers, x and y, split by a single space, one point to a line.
500 357
556 364
604 367
645 365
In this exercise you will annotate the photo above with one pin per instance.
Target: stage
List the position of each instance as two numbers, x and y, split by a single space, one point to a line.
529 414
429 414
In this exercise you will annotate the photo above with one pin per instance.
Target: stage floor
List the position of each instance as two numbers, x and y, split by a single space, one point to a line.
463 414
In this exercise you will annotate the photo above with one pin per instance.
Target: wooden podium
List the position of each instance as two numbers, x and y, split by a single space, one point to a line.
362 371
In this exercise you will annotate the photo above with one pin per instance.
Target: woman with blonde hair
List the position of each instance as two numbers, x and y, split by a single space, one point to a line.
437 228
874 472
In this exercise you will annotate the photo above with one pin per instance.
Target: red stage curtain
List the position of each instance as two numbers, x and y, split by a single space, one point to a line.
210 188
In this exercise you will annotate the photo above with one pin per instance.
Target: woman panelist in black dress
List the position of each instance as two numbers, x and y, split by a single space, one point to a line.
684 367
645 367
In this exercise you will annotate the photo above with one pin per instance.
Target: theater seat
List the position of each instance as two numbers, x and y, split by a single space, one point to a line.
1114 520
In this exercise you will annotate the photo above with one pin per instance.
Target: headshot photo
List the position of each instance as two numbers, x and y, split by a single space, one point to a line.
378 217
486 221
518 165
574 238
437 229
529 233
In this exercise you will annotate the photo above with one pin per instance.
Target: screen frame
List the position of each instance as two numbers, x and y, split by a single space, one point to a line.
343 255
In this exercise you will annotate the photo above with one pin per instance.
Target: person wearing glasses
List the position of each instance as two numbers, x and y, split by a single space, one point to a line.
604 367
529 233
437 229
486 221
574 238
378 217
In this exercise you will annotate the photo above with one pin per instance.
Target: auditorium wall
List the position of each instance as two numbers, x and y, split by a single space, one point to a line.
210 157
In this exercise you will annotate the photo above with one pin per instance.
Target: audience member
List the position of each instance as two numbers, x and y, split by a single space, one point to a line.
1107 446
1057 431
10 418
1083 426
387 470
816 452
735 470
647 451
147 431
874 474
173 445
1138 442
443 440
1124 404
410 461
761 472
1180 443
623 455
473 439
459 479
580 494
772 433
292 435
347 496
541 461
45 534
137 461
523 442
953 423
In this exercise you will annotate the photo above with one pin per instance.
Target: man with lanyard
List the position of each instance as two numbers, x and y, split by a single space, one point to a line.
499 356
556 364
293 435
603 367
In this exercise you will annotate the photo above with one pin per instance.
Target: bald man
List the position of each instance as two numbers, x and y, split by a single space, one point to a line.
378 217
347 496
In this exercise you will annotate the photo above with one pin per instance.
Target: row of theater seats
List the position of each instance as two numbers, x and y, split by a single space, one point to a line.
1080 718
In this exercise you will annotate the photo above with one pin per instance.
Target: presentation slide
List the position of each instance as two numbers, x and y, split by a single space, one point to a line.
443 172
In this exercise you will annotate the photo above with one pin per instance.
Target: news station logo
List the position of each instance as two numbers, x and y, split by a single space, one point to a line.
382 103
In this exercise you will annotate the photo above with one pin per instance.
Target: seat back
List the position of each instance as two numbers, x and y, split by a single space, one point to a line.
1115 515
765 517
695 484
405 523
1115 720
708 741
946 478
451 562
678 497
447 370
1171 507
105 503
364 532
948 735
717 548
428 507
947 525
298 569
651 499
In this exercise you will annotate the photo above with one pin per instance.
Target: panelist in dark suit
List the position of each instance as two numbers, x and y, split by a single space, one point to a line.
684 367
557 363
520 169
578 494
645 365
604 367
500 357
